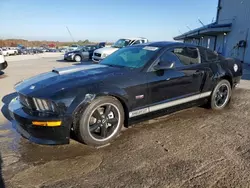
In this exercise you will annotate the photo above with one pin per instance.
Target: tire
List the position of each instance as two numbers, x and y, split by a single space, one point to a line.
94 138
15 53
222 92
77 58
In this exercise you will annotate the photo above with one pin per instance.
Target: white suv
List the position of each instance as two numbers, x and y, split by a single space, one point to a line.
101 53
3 63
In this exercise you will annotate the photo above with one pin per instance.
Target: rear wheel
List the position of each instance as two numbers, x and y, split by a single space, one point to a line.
101 122
78 58
221 95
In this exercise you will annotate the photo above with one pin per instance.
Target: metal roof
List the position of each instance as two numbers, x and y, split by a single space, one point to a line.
164 44
210 29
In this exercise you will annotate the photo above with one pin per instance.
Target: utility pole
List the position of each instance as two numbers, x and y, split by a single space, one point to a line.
70 34
201 22
189 28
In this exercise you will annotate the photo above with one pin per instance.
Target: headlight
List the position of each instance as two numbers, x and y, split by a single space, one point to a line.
70 54
44 105
104 55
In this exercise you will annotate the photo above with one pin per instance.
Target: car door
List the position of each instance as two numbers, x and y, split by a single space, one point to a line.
85 53
181 81
91 51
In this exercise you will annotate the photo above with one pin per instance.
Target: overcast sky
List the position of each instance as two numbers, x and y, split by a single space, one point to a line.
102 20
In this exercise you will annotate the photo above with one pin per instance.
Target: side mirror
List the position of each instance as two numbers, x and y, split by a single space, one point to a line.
164 65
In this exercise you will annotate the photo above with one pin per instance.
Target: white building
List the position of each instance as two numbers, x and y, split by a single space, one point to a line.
229 35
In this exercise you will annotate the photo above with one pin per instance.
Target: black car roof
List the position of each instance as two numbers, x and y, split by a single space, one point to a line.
166 44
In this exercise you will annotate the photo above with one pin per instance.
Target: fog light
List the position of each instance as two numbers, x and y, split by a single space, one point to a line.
47 123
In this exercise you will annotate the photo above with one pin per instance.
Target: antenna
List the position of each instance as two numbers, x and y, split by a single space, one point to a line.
189 28
201 22
213 20
180 32
70 34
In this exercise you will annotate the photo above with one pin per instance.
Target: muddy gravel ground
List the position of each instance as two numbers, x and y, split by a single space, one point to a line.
196 147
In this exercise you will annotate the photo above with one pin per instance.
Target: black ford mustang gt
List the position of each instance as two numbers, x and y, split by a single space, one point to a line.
95 101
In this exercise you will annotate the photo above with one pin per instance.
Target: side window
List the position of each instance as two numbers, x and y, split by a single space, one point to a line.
211 56
169 57
208 55
137 42
187 55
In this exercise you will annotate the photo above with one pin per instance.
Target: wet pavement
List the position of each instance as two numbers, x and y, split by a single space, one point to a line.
196 147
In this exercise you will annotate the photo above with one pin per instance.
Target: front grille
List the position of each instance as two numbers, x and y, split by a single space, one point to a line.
26 101
97 54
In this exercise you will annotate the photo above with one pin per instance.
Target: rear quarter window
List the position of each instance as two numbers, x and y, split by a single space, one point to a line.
208 55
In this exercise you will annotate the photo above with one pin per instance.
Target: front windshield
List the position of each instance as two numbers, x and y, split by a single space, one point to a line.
81 48
121 43
131 57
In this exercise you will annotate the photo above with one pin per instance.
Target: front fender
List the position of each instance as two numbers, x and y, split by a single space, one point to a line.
83 100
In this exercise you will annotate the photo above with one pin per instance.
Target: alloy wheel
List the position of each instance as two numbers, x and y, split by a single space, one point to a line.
104 121
222 95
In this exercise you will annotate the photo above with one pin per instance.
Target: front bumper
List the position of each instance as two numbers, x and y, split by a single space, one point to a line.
39 134
96 59
69 58
3 65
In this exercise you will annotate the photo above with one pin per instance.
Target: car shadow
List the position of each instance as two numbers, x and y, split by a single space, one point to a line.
6 101
2 185
63 61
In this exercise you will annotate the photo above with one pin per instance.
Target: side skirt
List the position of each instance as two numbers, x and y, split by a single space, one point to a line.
168 104
166 111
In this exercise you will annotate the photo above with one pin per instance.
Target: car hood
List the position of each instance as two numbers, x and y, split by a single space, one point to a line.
106 50
47 84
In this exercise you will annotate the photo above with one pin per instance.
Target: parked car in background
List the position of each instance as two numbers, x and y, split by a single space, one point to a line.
73 47
12 51
100 54
3 63
64 50
95 101
52 50
82 53
22 51
4 52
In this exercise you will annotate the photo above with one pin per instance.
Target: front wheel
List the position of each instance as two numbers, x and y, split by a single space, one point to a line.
221 95
78 58
101 121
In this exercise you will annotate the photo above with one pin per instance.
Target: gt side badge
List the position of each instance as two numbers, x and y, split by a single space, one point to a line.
139 97
235 67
